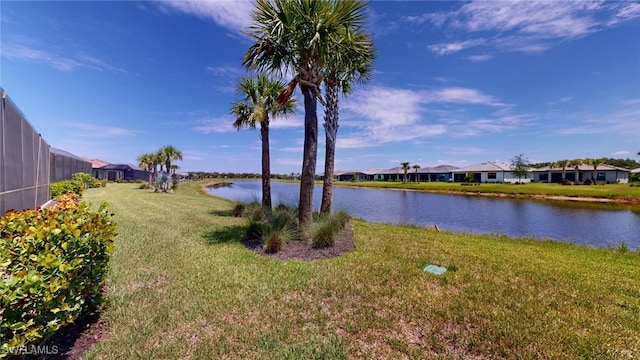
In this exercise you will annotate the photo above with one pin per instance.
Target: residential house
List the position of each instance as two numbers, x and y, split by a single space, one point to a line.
604 173
490 171
115 172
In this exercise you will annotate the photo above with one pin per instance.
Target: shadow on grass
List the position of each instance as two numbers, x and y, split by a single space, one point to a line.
225 235
222 212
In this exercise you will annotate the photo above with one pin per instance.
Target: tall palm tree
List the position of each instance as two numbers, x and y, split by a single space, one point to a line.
258 102
405 167
168 154
352 61
148 162
416 166
300 35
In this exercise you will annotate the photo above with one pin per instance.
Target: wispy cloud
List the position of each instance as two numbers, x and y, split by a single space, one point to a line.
99 131
528 26
232 15
562 100
67 62
453 47
479 58
382 115
220 124
622 121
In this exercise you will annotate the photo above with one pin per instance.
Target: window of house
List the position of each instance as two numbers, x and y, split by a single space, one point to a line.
602 176
491 175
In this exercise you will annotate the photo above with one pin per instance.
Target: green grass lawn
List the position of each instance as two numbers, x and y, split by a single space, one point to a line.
612 191
182 286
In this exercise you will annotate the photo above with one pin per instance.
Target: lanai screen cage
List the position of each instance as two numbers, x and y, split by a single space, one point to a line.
24 161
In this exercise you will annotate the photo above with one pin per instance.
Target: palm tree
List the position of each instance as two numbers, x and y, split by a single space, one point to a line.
259 101
148 162
301 35
575 163
563 164
405 167
595 163
350 62
167 155
416 166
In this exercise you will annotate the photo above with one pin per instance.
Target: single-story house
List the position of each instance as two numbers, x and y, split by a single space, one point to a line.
437 173
114 172
490 171
604 173
356 175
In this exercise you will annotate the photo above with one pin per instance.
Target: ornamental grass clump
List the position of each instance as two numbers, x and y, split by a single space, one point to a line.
326 230
52 264
276 239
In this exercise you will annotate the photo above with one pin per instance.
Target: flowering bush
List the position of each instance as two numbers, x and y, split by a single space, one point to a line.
52 263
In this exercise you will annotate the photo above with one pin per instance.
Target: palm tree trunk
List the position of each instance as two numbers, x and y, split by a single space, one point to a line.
266 165
309 157
331 132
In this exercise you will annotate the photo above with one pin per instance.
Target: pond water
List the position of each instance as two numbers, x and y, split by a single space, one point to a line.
599 225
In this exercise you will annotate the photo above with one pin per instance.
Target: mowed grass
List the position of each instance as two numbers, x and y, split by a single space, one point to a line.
610 191
182 286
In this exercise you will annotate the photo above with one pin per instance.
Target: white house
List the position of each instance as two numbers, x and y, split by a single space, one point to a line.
490 171
604 173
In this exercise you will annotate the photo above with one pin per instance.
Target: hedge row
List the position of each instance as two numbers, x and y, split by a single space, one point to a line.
52 264
77 185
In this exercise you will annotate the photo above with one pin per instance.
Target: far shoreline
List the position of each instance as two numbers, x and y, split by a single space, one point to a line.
626 201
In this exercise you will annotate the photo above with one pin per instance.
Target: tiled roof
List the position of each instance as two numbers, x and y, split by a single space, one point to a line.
485 166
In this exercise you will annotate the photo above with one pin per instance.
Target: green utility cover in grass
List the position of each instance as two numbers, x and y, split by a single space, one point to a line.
435 269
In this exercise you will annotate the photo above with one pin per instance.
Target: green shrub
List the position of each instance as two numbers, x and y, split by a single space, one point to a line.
276 239
87 180
238 210
66 187
284 217
52 263
326 230
256 230
257 213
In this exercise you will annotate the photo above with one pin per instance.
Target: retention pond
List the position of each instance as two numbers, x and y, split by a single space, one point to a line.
599 225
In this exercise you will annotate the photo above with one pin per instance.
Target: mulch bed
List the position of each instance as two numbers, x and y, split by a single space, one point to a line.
72 341
302 250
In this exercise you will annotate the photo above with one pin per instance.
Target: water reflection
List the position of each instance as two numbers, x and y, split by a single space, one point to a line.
592 224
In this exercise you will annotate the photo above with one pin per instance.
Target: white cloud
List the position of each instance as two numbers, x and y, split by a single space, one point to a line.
66 62
527 26
99 131
234 15
480 58
448 48
382 115
220 124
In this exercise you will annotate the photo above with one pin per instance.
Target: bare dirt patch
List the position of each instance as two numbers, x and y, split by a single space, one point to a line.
303 250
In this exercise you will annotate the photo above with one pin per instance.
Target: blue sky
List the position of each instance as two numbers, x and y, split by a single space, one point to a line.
455 82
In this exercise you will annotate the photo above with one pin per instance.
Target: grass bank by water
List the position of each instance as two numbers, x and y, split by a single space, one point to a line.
182 286
610 192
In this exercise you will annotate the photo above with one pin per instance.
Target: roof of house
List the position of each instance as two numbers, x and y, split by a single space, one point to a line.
119 167
61 152
485 166
97 163
635 171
